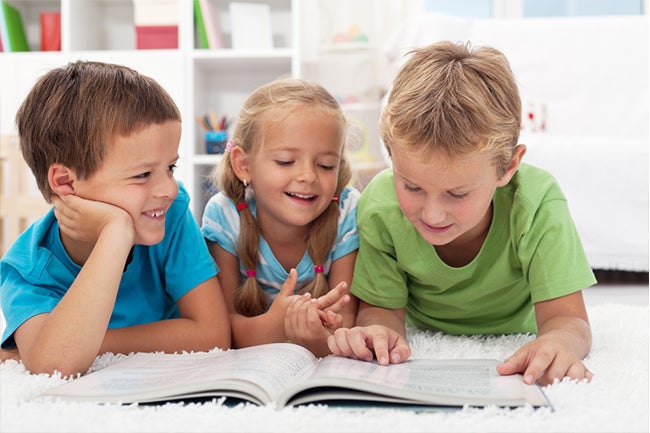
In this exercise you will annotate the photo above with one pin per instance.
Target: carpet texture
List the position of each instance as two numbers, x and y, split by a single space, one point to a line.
615 401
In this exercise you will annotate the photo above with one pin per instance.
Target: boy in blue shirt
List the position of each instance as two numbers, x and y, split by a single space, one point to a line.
119 264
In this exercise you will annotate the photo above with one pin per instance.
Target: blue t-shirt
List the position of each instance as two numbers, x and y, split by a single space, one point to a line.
221 224
36 272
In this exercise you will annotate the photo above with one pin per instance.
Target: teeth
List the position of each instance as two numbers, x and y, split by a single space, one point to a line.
157 213
303 196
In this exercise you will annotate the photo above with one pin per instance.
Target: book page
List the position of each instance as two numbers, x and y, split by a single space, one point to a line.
425 381
259 371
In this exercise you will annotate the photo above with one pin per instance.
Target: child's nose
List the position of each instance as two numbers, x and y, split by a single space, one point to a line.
433 212
306 173
167 187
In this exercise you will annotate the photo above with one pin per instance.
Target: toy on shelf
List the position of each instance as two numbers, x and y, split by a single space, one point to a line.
353 34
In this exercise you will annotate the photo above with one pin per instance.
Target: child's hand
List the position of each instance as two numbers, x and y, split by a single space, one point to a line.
366 342
544 359
331 303
283 299
83 220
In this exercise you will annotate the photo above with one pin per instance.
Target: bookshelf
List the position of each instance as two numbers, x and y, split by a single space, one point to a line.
203 80
199 80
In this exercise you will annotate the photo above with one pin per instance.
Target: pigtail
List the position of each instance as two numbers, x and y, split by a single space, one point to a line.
250 299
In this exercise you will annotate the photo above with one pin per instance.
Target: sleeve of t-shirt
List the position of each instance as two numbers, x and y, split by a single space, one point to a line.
188 262
347 238
221 222
378 279
551 253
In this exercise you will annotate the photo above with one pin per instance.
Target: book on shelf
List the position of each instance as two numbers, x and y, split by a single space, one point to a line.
50 31
285 374
199 23
156 23
211 22
12 31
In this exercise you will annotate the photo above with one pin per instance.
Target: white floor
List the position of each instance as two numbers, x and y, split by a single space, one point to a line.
625 294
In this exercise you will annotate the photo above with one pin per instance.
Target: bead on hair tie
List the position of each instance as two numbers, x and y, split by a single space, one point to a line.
241 206
318 269
230 144
250 273
336 198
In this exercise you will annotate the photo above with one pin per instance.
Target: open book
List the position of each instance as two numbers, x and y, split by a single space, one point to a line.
284 374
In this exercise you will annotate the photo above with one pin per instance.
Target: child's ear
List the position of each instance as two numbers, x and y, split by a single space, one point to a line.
61 179
240 163
517 156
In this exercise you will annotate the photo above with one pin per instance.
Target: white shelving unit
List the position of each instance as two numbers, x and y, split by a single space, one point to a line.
199 80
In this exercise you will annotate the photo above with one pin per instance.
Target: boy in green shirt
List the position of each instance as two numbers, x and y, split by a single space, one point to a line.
459 236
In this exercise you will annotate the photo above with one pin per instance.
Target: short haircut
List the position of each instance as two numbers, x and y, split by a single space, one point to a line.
456 99
73 113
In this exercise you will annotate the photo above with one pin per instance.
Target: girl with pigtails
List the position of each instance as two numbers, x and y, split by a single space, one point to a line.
282 228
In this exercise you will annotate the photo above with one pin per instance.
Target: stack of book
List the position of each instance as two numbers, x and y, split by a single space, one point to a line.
156 23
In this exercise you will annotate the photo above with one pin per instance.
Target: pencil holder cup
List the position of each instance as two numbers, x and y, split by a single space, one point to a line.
215 141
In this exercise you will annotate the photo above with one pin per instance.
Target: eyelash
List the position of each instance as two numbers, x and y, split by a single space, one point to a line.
170 169
457 196
451 194
288 163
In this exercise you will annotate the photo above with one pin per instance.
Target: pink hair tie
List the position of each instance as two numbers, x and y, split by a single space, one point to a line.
230 144
241 206
318 269
336 199
250 273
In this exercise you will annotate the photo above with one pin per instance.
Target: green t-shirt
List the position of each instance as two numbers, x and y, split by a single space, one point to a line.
532 253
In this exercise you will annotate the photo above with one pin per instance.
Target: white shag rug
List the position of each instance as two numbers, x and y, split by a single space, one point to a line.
615 401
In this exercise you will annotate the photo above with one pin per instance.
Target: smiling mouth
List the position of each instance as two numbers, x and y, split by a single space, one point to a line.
156 214
436 229
308 197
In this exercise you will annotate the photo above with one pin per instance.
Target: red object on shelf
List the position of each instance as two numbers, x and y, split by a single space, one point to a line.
50 31
156 37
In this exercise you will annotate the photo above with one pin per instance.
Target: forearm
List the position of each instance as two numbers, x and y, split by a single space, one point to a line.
261 329
172 335
68 339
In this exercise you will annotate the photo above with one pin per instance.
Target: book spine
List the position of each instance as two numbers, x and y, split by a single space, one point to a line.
200 25
16 39
212 30
4 33
50 31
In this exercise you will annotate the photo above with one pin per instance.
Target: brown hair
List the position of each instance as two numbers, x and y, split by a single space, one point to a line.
271 102
72 113
457 99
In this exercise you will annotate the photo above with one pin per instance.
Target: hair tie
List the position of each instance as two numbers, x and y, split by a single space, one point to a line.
336 198
230 144
250 273
318 269
241 206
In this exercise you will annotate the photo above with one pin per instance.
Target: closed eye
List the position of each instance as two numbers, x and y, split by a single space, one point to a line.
283 163
457 196
172 168
411 188
143 175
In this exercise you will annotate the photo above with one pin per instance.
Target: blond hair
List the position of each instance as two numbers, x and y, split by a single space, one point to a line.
272 102
73 113
453 98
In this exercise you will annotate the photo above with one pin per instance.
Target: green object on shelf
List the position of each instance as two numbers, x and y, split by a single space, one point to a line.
11 29
200 25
